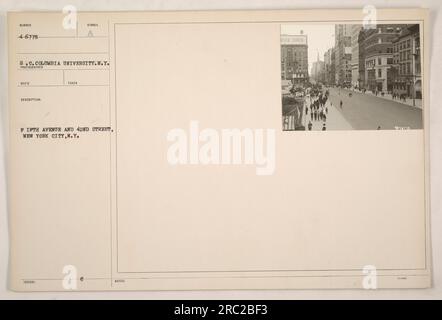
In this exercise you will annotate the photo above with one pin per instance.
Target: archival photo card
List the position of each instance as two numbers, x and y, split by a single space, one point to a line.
149 150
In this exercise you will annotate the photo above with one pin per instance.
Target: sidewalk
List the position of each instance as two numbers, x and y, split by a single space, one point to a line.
388 96
335 120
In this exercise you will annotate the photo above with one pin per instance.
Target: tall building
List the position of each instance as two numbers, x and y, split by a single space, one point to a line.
343 53
317 72
361 60
355 29
333 67
407 66
378 50
329 75
294 58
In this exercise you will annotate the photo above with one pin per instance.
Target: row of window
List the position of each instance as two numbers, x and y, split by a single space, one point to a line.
404 55
405 68
405 44
377 62
291 59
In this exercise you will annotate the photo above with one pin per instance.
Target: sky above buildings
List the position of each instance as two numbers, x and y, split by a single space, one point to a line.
320 37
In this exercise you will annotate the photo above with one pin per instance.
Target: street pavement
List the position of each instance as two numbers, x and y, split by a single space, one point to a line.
368 112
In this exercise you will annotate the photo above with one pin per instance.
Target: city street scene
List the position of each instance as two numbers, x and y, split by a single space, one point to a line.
351 77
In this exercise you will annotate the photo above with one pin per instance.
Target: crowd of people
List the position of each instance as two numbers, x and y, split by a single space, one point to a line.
402 97
318 109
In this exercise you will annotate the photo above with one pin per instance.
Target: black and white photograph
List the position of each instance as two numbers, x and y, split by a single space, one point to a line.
351 77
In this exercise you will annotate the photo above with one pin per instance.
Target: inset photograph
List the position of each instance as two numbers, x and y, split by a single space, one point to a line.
351 77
